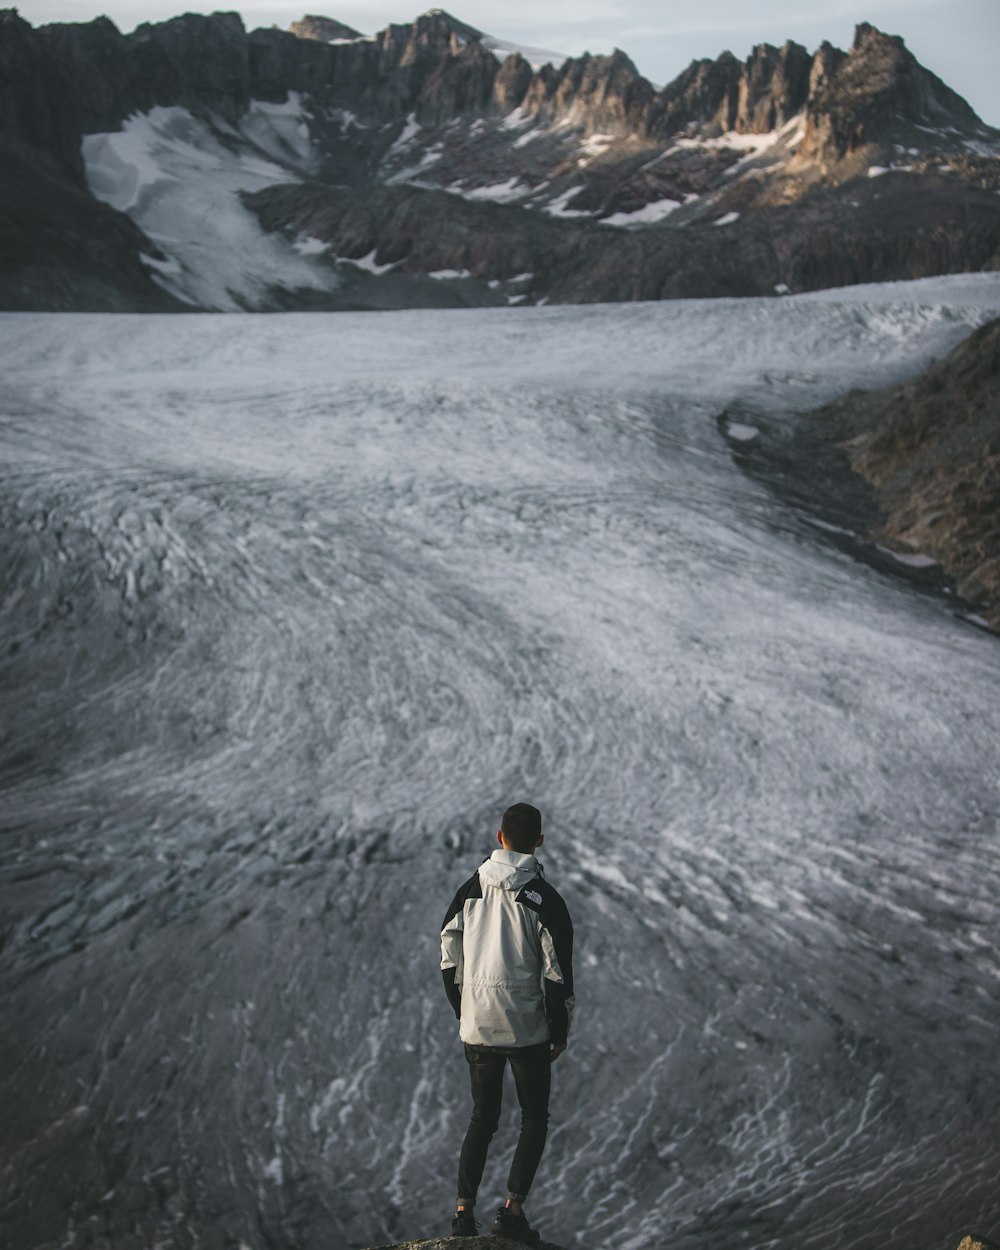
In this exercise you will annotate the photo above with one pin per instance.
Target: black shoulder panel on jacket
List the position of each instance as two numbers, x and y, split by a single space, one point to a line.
552 911
473 888
531 896
553 914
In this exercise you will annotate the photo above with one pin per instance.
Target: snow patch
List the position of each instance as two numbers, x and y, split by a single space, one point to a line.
411 129
411 173
347 119
501 192
876 171
793 131
169 268
180 178
307 245
596 145
515 119
536 57
367 263
727 219
978 148
557 207
751 146
742 433
913 560
645 216
528 137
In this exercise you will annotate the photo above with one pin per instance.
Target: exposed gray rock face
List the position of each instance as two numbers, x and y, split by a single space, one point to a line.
597 93
461 1243
570 261
739 177
773 87
324 29
60 249
931 449
749 97
913 471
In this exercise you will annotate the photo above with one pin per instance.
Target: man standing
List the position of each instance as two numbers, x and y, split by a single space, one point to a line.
507 963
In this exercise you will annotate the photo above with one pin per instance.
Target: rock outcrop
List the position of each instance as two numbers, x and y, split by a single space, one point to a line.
906 479
482 1243
972 1241
323 29
931 449
876 96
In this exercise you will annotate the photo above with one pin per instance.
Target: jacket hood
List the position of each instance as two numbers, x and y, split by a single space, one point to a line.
508 870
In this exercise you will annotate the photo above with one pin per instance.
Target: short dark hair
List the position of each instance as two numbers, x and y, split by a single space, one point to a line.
521 827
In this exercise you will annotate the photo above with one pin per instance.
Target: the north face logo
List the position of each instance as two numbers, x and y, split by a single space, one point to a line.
533 896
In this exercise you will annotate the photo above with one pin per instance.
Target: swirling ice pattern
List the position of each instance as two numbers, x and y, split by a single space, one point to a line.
293 606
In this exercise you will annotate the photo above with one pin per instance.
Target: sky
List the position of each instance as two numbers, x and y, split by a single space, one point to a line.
959 40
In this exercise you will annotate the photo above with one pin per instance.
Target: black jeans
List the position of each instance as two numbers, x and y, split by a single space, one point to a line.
532 1078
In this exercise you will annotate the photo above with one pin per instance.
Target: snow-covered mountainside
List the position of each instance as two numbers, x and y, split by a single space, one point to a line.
430 164
294 605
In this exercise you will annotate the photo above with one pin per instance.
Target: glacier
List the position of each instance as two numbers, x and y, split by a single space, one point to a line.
295 604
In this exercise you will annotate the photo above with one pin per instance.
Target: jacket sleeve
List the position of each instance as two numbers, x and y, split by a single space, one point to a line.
557 955
451 950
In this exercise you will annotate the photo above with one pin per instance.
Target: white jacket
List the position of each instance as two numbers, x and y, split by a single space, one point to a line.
507 955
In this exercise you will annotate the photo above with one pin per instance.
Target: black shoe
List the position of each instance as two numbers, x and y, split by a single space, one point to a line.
507 1224
464 1224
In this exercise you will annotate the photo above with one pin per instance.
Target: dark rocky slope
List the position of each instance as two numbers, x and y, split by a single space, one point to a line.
429 152
931 450
483 1242
808 246
907 478
971 1241
60 248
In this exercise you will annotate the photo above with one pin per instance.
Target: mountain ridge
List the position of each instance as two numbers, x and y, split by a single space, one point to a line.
774 148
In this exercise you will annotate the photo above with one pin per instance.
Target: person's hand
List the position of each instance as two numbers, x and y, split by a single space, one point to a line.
555 1052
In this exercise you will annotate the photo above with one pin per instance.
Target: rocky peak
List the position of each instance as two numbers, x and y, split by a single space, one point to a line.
825 64
773 87
705 94
322 29
876 94
882 72
431 34
461 83
439 19
600 93
511 84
